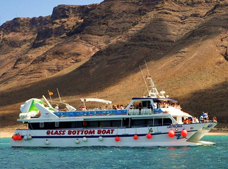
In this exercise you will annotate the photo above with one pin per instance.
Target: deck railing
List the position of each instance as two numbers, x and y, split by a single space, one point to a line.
91 113
140 112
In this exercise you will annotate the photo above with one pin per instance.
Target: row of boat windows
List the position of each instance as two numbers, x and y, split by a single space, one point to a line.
128 122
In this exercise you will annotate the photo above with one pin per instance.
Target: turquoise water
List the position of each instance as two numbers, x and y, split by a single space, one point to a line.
215 156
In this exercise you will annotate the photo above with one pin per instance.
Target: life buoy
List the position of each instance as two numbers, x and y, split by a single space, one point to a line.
84 123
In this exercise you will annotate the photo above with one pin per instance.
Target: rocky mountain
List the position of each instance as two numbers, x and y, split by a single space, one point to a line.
96 50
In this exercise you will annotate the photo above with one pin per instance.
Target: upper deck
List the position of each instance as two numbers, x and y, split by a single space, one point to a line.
139 107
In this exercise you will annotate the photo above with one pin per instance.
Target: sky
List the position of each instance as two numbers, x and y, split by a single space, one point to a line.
10 9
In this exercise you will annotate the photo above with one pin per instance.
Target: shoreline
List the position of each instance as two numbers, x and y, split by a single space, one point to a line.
219 133
9 134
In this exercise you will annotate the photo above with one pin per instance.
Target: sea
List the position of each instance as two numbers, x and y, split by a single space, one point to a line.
199 157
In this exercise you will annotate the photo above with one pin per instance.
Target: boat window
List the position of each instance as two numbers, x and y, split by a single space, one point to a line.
65 125
74 125
93 124
157 122
150 122
108 123
138 123
105 123
56 124
42 125
34 125
79 124
126 122
116 123
147 104
50 125
167 121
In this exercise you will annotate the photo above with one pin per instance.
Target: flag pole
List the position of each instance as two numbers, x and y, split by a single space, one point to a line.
49 95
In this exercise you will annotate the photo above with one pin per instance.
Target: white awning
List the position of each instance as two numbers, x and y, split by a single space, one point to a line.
176 112
96 100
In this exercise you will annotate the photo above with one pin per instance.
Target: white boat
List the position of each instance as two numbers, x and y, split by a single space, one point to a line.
148 121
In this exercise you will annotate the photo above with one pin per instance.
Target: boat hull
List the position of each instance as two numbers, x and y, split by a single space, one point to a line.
114 137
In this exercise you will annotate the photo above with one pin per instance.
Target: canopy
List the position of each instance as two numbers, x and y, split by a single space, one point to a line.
29 105
176 112
96 100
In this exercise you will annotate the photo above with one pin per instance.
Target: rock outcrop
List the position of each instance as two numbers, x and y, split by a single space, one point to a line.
99 47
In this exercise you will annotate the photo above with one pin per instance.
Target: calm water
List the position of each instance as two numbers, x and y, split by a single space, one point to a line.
204 157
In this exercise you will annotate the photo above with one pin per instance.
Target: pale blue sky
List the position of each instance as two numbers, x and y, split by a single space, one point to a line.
10 9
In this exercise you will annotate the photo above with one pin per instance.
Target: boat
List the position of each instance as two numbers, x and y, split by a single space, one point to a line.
147 121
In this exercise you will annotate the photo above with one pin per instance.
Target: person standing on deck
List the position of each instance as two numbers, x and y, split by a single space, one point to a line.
57 108
140 107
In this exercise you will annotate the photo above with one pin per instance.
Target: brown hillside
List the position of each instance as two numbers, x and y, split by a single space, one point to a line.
96 51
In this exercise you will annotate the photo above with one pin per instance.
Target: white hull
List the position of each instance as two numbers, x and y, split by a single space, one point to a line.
94 137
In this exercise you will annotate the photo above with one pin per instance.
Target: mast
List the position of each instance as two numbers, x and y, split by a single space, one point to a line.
144 80
152 90
59 95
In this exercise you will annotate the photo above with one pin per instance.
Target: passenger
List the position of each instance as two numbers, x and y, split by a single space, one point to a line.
179 106
150 107
131 107
165 105
65 109
155 105
84 123
140 107
194 120
158 105
57 107
121 107
114 107
214 119
206 117
185 121
83 108
189 120
161 105
201 119
197 120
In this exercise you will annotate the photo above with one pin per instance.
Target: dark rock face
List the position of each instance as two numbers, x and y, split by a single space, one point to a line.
41 37
65 11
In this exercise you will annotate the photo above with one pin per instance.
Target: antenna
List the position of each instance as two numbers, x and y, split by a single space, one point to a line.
144 79
153 92
58 94
147 68
47 101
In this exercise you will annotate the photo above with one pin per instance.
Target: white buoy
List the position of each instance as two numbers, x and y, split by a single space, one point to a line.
47 142
100 138
84 139
77 141
29 137
25 137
